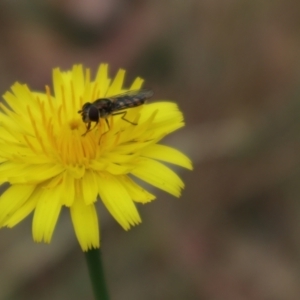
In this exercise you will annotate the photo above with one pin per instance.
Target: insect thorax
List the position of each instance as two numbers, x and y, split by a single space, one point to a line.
105 107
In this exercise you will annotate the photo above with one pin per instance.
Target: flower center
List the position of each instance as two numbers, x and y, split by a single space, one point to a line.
73 148
74 124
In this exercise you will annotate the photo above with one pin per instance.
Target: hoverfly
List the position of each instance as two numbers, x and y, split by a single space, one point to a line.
104 107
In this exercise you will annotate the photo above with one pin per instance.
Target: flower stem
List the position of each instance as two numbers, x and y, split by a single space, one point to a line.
95 266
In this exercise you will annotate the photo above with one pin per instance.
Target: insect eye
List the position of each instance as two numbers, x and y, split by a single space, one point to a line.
93 113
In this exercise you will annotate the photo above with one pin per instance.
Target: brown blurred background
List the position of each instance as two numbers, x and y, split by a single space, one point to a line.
234 69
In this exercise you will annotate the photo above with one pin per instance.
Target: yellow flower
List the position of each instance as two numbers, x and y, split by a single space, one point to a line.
50 163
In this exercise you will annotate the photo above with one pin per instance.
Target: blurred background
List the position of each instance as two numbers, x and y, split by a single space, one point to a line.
233 67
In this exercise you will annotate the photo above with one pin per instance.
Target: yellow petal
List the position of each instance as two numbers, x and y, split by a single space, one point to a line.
137 84
25 209
116 169
35 173
102 80
46 214
158 175
166 111
13 122
140 132
116 86
136 192
20 98
98 165
119 158
19 173
167 154
12 199
85 222
117 200
132 147
168 118
89 186
68 189
78 80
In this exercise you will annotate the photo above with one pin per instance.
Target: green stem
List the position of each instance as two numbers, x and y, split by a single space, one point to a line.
95 266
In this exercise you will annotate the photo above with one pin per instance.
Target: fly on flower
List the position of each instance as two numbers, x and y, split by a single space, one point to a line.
49 166
117 105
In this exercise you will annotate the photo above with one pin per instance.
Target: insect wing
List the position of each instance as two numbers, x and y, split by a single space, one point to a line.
102 103
131 99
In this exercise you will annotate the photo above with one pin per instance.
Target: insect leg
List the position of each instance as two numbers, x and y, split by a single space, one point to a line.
123 113
88 127
107 123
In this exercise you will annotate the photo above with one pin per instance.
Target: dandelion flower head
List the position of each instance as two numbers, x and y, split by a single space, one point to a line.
49 163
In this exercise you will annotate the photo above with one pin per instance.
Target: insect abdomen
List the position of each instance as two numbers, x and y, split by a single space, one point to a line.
129 101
